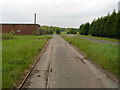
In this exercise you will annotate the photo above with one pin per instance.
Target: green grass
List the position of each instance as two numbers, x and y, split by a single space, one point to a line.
63 32
105 55
7 36
18 54
101 38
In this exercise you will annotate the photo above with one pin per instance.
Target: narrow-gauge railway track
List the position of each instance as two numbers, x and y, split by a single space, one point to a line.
28 74
60 65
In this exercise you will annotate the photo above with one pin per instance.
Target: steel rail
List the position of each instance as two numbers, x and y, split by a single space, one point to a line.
28 74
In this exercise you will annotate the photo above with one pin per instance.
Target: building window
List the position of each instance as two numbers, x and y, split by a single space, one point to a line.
18 31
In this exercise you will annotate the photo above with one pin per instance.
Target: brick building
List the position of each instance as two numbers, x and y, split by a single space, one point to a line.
21 29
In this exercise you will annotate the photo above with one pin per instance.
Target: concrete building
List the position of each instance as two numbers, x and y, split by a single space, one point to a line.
21 29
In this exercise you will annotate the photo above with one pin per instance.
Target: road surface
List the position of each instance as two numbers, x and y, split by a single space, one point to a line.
96 40
61 66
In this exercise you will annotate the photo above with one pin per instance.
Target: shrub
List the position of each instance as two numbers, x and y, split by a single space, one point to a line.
7 36
58 31
49 32
67 32
12 32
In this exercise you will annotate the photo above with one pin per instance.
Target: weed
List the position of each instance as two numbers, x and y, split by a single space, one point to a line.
18 55
105 55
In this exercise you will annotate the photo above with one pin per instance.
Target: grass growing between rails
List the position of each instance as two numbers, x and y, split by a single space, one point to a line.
105 55
18 54
101 38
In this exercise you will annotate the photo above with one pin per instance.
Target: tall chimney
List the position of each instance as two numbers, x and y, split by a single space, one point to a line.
35 19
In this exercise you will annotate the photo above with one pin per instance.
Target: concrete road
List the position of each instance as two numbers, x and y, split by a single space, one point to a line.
61 66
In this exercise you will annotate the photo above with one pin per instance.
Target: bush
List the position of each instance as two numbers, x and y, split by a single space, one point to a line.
72 31
12 32
49 32
58 31
67 32
7 36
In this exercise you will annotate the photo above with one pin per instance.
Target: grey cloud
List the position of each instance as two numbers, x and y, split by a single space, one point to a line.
64 13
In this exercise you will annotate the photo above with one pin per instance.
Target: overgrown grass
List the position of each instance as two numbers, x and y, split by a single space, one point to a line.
63 32
105 55
7 36
18 54
101 38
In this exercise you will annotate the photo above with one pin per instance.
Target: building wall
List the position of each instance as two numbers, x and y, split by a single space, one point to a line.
21 29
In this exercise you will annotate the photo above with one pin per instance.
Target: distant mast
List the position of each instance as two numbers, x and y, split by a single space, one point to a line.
35 18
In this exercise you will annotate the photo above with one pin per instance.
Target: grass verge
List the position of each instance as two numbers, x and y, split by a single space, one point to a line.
105 55
18 54
63 32
101 38
7 36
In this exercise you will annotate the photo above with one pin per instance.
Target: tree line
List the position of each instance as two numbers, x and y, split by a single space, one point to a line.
71 30
50 30
107 26
57 30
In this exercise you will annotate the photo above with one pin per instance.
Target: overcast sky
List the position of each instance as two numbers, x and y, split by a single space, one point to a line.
63 13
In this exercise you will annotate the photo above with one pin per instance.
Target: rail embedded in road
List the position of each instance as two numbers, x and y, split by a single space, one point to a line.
62 66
